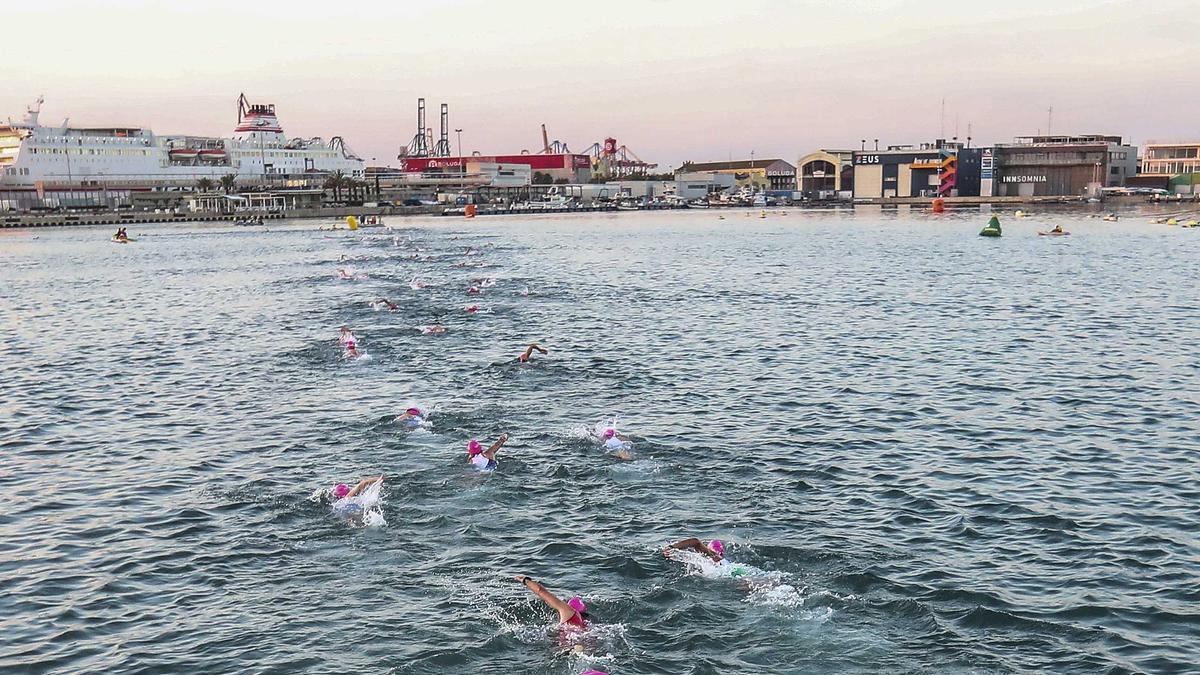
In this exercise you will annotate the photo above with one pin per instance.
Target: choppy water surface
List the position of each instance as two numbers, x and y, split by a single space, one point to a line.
933 452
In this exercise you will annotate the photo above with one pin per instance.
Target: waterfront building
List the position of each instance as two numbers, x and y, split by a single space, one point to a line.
84 166
568 167
702 184
771 175
1047 166
925 170
1171 165
825 173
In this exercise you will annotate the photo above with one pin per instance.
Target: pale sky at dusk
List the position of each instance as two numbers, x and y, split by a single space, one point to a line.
673 79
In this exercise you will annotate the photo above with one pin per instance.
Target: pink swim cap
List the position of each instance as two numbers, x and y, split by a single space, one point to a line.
717 547
413 411
594 672
609 433
341 490
576 603
474 448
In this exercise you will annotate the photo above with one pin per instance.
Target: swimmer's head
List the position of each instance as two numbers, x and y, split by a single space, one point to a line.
474 448
341 490
610 432
717 547
415 412
576 603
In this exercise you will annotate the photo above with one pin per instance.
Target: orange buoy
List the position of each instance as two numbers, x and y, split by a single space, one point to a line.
939 205
469 211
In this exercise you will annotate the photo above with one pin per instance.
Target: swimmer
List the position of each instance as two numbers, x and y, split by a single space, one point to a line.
572 614
713 550
485 460
411 418
473 290
620 445
485 282
380 303
524 292
342 491
528 353
435 329
349 342
416 284
471 309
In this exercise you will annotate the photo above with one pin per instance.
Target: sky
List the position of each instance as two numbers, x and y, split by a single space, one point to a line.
674 80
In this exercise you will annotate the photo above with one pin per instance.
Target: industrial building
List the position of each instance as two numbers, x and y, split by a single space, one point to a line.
772 175
926 170
825 173
1048 166
571 168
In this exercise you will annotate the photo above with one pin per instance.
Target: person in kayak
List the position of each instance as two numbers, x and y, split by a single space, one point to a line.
572 614
485 460
528 353
1057 230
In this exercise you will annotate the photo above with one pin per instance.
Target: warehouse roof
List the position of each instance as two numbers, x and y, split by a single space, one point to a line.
735 165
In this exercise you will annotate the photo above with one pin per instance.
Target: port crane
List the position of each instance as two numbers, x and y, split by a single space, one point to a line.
617 162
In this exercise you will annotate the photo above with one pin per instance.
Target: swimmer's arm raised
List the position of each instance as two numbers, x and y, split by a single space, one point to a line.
490 453
363 485
565 611
691 544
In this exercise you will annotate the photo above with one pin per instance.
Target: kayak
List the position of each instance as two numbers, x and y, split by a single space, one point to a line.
1053 234
123 241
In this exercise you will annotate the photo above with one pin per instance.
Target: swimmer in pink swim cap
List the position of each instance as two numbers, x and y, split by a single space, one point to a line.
411 418
620 446
571 614
342 491
485 460
714 549
349 341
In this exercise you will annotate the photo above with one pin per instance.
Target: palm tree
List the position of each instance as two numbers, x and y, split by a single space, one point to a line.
228 183
334 182
204 185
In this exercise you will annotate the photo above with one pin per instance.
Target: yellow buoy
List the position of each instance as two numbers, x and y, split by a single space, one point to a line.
352 222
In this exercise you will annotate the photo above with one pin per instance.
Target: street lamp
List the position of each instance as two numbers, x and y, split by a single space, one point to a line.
461 166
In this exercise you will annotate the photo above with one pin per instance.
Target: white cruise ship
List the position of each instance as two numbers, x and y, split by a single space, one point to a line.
33 156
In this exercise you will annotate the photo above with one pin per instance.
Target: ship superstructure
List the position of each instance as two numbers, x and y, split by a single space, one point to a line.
132 157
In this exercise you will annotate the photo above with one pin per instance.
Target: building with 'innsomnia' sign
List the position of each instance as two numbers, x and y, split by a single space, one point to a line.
1050 166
